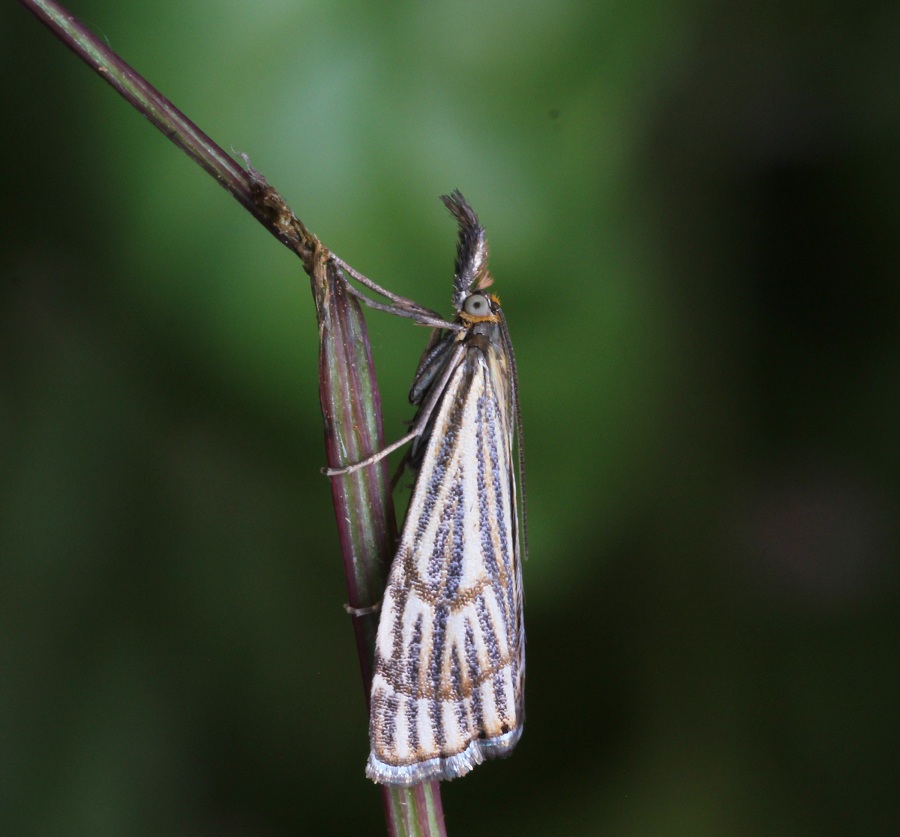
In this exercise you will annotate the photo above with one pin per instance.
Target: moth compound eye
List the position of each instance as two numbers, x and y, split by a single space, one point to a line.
477 306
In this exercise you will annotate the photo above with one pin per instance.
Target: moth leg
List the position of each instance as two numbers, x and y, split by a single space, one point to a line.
401 307
375 457
419 425
400 470
357 612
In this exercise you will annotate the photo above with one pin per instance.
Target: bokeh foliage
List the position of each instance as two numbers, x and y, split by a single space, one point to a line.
694 216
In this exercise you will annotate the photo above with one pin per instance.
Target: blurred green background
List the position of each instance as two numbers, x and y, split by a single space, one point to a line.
695 227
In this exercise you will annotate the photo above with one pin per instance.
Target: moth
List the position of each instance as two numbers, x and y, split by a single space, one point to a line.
447 691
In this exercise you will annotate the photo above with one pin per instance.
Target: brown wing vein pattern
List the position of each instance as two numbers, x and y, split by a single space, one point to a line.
447 690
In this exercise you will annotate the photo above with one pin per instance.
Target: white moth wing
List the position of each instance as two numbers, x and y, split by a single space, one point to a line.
449 659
